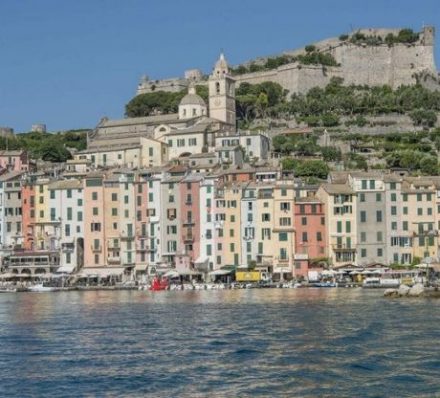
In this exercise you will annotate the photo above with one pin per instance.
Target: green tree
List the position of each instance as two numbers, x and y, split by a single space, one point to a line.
331 154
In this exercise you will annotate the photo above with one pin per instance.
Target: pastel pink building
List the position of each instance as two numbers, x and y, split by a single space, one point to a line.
189 192
310 236
94 221
14 160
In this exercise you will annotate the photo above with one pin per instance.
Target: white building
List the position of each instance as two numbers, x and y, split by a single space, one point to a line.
66 207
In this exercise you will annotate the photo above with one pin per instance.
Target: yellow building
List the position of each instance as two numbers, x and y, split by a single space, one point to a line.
419 215
283 229
231 227
340 217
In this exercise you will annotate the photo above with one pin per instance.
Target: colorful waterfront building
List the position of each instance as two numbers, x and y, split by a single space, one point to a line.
310 234
66 206
340 218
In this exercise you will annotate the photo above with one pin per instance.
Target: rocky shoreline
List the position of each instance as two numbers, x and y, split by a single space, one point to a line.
417 290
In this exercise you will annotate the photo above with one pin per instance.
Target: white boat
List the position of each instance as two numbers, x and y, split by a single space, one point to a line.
381 283
41 288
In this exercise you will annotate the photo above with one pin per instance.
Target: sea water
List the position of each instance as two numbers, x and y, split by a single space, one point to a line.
231 343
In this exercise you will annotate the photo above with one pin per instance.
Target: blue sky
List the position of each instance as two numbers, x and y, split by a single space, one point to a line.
68 63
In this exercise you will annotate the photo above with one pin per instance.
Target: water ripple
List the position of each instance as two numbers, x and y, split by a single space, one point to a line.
284 343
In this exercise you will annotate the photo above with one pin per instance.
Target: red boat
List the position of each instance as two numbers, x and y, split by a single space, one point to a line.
159 284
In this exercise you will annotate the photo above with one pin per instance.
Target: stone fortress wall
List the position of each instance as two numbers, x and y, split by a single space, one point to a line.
360 64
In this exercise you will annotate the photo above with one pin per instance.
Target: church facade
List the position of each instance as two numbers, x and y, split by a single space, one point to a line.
154 140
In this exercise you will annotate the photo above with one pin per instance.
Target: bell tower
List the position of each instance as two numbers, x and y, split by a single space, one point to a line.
222 93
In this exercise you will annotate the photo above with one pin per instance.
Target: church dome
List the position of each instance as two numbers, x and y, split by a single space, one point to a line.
192 99
192 105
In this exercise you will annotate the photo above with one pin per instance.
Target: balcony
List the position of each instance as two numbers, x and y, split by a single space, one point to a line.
68 247
343 247
114 260
284 228
96 249
126 236
188 238
188 222
282 260
141 248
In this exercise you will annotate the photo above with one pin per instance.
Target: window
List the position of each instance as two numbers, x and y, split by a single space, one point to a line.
95 211
69 214
209 250
379 216
420 211
69 193
419 197
372 184
80 202
392 186
94 195
362 197
283 192
150 151
53 214
363 252
429 197
405 197
114 211
192 142
364 184
394 225
304 237
95 226
126 199
232 247
429 211
379 252
52 194
114 197
379 236
339 227
265 217
363 216
393 210
378 197
405 210
285 206
319 236
150 197
285 221
265 233
348 227
79 216
393 197
231 233
67 229
282 236
363 236
232 218
303 220
405 225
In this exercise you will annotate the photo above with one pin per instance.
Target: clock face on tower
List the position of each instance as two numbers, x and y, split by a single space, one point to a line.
217 102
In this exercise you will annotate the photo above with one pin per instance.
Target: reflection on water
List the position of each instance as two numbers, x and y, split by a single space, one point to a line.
304 342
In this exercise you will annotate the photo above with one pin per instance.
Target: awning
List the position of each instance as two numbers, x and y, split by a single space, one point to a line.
141 267
7 275
220 272
103 272
201 260
65 269
171 274
189 272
